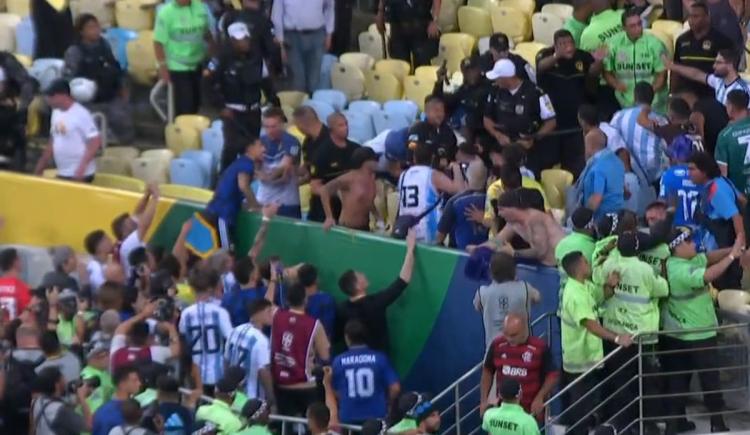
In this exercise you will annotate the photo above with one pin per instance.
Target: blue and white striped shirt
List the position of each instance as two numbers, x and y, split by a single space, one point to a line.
248 348
206 325
722 90
646 148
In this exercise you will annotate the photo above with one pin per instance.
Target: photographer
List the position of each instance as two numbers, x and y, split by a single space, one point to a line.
131 342
50 414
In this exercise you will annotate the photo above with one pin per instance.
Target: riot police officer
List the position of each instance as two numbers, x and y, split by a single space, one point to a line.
236 80
518 111
17 90
414 28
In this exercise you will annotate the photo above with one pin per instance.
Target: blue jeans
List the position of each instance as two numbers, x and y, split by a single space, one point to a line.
305 54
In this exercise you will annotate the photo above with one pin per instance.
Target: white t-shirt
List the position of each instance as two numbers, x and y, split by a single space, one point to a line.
131 243
159 354
96 274
248 348
70 130
206 326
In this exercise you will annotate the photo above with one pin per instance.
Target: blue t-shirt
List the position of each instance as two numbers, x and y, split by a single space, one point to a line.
108 416
227 200
286 192
720 199
322 307
453 221
677 188
177 419
361 378
606 176
237 300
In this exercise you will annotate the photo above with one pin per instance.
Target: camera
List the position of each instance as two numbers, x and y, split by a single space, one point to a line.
165 308
93 383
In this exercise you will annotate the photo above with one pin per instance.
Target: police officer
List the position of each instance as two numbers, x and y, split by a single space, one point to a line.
17 89
435 132
414 28
236 77
518 111
500 49
465 106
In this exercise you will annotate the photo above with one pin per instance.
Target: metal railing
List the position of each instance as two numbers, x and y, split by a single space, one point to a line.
153 98
733 342
462 414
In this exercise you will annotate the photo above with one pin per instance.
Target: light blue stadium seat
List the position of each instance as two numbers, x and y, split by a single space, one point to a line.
404 107
118 40
364 106
46 71
325 71
217 124
25 37
205 160
383 120
334 97
361 128
212 140
322 109
186 172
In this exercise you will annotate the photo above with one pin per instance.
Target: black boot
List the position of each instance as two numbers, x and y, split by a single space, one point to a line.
718 425
678 426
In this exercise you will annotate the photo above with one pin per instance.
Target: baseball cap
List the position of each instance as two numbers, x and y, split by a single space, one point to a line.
470 62
395 145
59 86
509 389
499 41
503 68
238 31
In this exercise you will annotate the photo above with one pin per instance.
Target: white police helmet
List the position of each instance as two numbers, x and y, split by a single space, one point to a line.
83 90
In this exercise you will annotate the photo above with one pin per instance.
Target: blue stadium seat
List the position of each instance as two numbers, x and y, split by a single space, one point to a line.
217 124
325 71
186 172
46 71
404 107
334 97
383 120
118 40
361 128
25 37
212 140
365 106
205 160
322 109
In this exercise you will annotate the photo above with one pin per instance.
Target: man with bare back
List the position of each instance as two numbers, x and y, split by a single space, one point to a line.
357 189
538 229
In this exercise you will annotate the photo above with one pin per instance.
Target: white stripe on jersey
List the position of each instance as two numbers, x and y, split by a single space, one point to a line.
205 325
722 90
249 348
417 193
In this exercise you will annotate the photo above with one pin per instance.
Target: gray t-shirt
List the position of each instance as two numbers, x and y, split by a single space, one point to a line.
53 417
69 365
496 300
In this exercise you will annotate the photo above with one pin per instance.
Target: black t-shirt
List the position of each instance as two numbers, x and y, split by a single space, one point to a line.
565 83
328 162
441 139
700 54
715 119
371 310
487 63
311 144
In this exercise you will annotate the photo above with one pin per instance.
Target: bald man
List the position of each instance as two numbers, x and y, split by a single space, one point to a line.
517 355
455 218
332 159
357 191
602 181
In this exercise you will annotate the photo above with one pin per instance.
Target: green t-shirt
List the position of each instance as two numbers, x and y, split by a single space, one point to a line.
220 414
634 308
255 430
182 30
581 349
403 425
689 304
732 150
147 397
633 62
575 28
601 29
509 419
103 393
240 399
66 330
656 258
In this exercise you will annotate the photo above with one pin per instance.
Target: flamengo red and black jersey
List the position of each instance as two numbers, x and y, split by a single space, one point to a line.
292 336
528 363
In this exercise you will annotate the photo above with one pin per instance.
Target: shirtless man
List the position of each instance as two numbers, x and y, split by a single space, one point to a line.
538 229
357 188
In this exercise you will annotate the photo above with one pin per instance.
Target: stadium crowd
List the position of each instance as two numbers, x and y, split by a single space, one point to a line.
132 339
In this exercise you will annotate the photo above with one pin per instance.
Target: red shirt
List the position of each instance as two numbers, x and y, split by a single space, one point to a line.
292 336
529 363
14 296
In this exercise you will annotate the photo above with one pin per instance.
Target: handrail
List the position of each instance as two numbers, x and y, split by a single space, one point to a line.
169 115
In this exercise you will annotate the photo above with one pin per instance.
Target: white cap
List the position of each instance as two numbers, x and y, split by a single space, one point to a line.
2 74
503 68
238 31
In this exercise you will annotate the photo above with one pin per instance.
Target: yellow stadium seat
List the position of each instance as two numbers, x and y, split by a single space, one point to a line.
735 301
374 29
150 170
34 116
399 68
163 155
526 6
189 193
482 4
382 87
448 17
102 10
556 183
528 51
665 39
464 41
427 72
371 44
544 26
293 99
198 122
562 10
18 7
392 207
49 173
474 21
672 28
363 61
304 197
348 79
119 182
8 23
132 14
112 165
452 55
512 22
417 89
142 64
123 153
23 59
179 139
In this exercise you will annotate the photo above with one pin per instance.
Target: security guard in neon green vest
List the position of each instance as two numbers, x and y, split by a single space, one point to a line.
509 418
219 412
582 336
406 402
581 239
690 306
256 413
657 256
96 375
607 228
